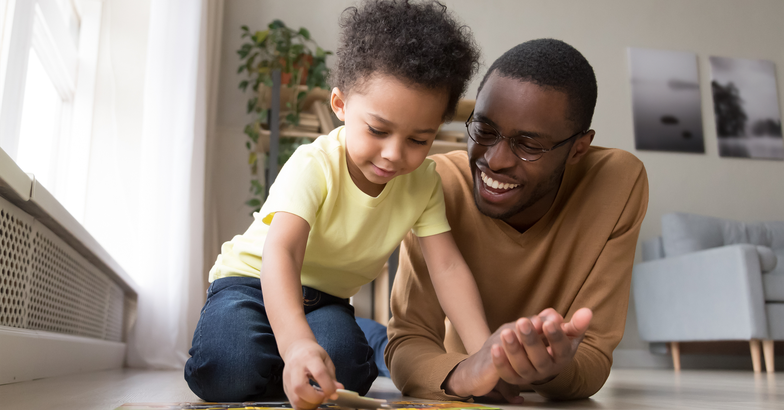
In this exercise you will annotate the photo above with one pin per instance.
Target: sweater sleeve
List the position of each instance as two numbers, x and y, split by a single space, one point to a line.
415 355
606 292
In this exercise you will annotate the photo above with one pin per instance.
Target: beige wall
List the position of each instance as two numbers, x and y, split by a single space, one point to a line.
601 30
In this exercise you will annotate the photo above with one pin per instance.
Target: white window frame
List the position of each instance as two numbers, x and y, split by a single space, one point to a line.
36 24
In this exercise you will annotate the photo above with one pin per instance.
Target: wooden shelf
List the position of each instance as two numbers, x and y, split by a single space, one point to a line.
442 147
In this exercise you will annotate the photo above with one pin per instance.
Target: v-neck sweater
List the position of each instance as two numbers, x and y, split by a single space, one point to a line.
579 254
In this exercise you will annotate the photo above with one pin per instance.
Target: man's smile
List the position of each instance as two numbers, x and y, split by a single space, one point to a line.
497 185
494 191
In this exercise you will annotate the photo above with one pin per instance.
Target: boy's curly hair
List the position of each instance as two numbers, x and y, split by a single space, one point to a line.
418 43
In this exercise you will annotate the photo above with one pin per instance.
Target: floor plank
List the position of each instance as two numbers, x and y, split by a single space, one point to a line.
625 389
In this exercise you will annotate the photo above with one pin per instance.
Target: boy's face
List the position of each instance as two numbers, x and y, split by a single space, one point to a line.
389 129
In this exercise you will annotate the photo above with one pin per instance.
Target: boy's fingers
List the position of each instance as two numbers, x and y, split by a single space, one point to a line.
320 373
301 394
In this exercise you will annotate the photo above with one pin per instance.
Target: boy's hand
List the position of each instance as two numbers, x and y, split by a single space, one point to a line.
305 360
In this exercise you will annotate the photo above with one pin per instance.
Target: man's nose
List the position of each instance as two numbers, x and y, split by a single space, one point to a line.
500 155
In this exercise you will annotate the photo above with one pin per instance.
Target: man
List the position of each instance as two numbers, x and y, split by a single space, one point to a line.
547 224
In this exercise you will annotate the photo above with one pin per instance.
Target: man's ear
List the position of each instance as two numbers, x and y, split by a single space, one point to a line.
580 147
338 102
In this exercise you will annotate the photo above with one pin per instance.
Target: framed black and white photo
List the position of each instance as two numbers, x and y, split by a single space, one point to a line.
746 106
666 100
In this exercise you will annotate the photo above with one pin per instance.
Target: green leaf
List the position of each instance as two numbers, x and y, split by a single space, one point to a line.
296 50
304 33
260 36
244 27
256 187
244 50
242 67
243 85
320 52
252 158
291 118
253 202
247 144
277 24
250 131
252 104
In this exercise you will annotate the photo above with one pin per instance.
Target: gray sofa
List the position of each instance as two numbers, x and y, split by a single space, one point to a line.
709 279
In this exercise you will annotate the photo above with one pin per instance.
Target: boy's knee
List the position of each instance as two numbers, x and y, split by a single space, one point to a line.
233 379
355 366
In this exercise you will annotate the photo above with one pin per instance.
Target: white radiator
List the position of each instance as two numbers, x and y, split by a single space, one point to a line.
46 285
65 305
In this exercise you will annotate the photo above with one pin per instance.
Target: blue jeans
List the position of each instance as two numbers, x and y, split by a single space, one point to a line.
376 335
235 357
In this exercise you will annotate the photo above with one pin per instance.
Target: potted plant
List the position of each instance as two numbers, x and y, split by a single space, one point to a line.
303 68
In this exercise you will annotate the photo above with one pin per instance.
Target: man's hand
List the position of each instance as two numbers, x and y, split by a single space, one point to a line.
528 351
305 360
524 357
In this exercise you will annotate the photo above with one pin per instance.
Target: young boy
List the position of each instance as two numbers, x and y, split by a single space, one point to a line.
338 209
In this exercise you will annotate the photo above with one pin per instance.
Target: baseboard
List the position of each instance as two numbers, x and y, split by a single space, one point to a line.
29 354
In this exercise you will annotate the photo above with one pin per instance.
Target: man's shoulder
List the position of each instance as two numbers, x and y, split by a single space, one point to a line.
611 157
603 176
608 164
452 164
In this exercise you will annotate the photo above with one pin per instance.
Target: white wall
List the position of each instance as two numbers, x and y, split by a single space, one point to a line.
601 30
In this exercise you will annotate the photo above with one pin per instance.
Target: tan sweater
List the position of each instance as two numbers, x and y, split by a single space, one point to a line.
579 254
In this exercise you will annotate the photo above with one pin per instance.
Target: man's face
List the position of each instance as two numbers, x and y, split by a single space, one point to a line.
524 190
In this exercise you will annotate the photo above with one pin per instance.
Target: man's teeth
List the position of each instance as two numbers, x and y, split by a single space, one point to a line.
495 184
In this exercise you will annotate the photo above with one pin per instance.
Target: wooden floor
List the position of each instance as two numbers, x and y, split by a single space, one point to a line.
626 389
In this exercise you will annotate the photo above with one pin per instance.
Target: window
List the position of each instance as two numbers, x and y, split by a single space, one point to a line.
40 125
48 56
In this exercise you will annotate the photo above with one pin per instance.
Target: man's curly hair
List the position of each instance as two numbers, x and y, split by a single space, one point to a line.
420 44
552 64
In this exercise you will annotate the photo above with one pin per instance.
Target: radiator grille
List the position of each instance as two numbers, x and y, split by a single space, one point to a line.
46 285
15 244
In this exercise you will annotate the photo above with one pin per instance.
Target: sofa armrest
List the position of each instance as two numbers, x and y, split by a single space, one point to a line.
713 294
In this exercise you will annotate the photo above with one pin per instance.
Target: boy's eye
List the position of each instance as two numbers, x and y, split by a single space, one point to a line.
418 142
375 131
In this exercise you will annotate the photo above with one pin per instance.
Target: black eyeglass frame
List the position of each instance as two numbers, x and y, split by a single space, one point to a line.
513 142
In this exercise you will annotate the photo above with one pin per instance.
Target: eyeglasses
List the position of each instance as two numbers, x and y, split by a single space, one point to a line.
523 146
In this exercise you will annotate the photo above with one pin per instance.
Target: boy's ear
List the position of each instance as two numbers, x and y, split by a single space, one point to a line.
338 102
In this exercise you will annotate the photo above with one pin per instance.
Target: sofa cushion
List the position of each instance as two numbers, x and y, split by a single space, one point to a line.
773 286
758 233
779 270
685 233
767 258
775 313
652 249
776 229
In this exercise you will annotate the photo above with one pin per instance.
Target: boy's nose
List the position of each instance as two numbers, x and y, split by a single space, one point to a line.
392 151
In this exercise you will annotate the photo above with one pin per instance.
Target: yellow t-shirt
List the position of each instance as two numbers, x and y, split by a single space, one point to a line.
351 233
